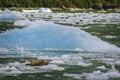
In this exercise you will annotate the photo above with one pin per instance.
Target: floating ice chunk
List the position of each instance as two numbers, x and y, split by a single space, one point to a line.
100 77
96 75
54 58
47 75
97 72
30 11
91 76
71 59
76 58
52 67
7 70
65 57
57 62
101 67
7 15
84 64
108 36
78 49
74 76
28 69
14 64
44 10
108 60
112 73
43 57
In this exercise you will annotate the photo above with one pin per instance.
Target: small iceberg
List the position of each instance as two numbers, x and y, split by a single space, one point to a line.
52 67
8 15
44 10
101 67
8 70
29 11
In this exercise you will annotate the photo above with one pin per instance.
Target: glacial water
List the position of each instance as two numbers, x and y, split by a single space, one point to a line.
75 52
72 69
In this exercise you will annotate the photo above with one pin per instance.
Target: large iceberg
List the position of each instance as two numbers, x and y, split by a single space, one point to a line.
42 35
8 15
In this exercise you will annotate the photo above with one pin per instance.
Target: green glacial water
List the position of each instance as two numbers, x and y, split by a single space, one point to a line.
107 32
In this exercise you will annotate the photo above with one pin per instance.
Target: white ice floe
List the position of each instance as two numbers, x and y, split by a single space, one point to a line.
29 11
28 69
14 64
84 64
52 67
92 76
41 57
108 36
97 75
76 18
112 73
47 75
44 10
7 70
101 67
17 64
74 76
57 62
107 60
8 15
75 59
73 56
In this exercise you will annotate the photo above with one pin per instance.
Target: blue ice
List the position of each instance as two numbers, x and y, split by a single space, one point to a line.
42 35
8 15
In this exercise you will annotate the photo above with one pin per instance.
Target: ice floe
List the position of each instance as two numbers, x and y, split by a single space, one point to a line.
44 10
77 18
7 70
52 67
109 36
101 67
96 75
74 76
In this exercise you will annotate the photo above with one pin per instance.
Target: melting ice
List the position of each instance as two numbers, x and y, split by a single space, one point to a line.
42 35
8 15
